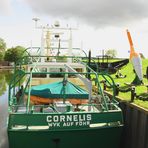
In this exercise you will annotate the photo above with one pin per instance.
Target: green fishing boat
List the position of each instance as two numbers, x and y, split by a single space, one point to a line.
61 103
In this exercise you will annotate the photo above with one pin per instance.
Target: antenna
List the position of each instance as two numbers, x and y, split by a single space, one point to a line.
36 21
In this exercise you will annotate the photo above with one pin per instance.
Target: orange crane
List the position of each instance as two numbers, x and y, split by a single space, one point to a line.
135 59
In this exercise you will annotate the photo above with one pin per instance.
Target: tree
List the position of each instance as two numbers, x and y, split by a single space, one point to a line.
1 56
2 48
111 52
14 54
2 45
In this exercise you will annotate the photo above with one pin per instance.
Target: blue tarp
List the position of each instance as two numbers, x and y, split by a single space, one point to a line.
59 90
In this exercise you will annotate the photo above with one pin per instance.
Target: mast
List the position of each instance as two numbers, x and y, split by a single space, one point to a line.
46 37
70 46
48 43
42 49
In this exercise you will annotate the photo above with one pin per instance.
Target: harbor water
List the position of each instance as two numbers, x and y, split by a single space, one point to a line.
5 76
3 120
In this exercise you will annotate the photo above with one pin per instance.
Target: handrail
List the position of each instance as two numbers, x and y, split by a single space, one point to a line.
29 88
17 77
98 84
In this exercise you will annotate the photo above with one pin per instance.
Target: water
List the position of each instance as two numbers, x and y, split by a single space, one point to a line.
5 76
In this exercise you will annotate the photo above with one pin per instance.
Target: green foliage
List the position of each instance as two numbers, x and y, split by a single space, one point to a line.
2 48
2 45
128 71
5 76
14 54
1 56
130 75
2 82
111 52
142 103
8 75
61 58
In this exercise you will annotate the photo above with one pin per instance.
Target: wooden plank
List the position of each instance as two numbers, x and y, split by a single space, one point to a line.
134 120
135 132
142 130
146 133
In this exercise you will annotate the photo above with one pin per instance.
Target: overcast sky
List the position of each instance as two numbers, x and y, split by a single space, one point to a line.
102 23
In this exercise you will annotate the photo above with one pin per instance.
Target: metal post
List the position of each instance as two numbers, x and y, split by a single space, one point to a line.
70 46
89 61
133 94
104 85
117 89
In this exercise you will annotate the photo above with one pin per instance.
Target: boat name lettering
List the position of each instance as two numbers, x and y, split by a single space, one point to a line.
69 120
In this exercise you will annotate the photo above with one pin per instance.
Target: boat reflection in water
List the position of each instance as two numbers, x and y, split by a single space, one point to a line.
3 121
5 76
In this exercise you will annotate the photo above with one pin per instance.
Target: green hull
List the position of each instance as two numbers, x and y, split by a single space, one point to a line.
90 138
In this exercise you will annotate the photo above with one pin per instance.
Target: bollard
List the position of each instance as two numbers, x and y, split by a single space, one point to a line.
104 85
133 94
117 89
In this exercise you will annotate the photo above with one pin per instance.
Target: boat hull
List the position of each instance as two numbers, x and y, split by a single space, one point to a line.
108 137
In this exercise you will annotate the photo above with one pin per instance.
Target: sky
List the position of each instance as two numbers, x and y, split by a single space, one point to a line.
101 24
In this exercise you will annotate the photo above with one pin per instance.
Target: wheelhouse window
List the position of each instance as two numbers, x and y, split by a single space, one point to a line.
39 72
57 72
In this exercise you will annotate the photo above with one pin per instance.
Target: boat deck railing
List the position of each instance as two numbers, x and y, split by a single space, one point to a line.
101 76
21 74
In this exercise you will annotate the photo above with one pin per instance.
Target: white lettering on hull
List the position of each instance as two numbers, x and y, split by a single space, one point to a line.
68 120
